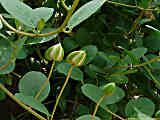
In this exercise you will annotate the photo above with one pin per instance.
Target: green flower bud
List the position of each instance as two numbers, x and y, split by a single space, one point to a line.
55 53
109 89
76 58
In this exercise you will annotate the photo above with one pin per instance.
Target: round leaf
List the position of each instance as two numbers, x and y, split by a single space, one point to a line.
89 91
141 104
31 83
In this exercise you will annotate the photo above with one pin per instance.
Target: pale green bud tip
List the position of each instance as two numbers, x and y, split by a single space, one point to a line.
109 89
55 53
76 58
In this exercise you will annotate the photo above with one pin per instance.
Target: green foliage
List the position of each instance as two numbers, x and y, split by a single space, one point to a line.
29 100
89 91
31 83
85 12
40 40
142 104
26 14
117 41
76 74
6 53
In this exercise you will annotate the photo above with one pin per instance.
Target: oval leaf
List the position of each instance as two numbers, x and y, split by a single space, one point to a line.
85 12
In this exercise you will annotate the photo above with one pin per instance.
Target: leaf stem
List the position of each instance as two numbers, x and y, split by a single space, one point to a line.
20 103
96 108
45 82
59 29
60 94
115 114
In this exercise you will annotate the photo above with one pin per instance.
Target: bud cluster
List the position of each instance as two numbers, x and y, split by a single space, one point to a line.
56 53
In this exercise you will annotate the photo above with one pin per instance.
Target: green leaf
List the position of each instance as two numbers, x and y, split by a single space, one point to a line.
20 11
91 52
82 37
142 104
139 52
131 57
87 117
117 78
31 83
26 14
76 73
6 52
1 25
84 12
152 41
144 3
81 110
22 54
69 44
89 91
29 100
43 13
38 40
154 29
40 24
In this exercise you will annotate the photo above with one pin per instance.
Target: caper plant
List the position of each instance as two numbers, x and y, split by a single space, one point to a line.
115 54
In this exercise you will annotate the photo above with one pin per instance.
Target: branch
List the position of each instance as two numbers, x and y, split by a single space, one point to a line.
132 6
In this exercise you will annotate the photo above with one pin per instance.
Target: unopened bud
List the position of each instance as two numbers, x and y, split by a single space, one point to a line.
76 58
55 53
109 89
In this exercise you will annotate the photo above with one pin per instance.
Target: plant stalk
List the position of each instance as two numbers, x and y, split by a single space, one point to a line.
60 94
45 82
97 105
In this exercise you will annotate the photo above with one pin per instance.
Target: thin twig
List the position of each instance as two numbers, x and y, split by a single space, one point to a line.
45 82
131 6
134 66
